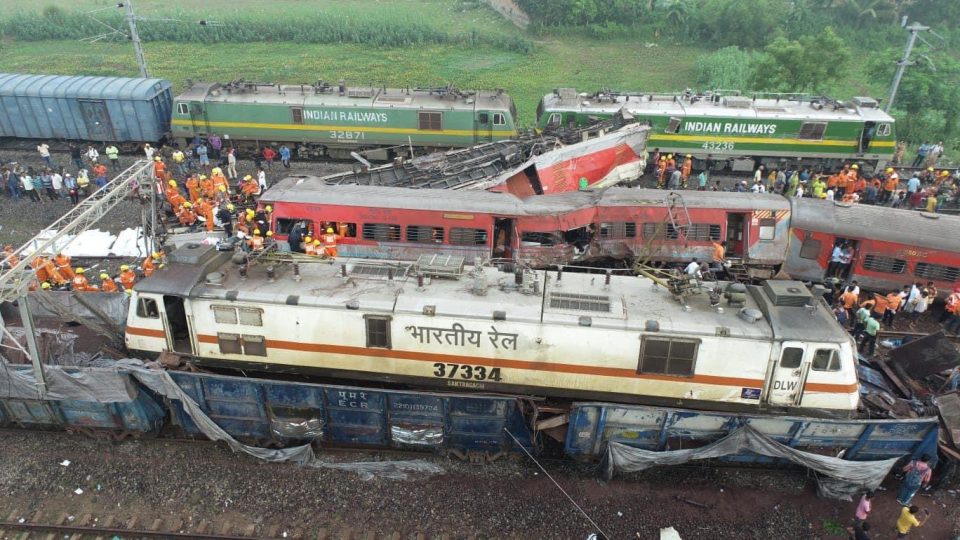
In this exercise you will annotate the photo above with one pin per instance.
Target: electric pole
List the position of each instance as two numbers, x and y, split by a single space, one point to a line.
135 37
914 29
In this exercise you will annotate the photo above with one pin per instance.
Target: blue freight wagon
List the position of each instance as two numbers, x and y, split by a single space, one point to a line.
95 109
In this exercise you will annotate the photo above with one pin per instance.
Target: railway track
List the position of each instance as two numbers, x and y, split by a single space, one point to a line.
21 525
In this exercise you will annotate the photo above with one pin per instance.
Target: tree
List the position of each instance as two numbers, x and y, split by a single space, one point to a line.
808 64
736 22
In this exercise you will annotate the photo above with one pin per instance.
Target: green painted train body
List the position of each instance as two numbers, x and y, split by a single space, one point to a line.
741 131
335 120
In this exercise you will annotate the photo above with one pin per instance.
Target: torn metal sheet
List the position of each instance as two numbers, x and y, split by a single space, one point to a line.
949 407
925 356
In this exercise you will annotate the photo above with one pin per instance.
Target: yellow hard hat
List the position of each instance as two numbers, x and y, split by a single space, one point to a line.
188 204
248 177
688 155
44 285
256 231
156 158
316 242
889 169
79 270
128 291
308 239
155 254
223 188
669 156
250 212
930 169
203 177
104 276
329 230
230 207
944 173
173 183
269 208
854 166
269 233
124 267
216 170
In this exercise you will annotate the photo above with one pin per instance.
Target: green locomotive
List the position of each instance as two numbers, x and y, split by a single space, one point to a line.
335 120
740 132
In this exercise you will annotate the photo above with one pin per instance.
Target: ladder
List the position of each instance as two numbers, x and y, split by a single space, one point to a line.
675 225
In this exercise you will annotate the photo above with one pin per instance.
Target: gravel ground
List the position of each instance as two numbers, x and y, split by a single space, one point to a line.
507 499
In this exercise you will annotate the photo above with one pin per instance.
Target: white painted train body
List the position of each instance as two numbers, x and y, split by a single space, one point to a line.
569 335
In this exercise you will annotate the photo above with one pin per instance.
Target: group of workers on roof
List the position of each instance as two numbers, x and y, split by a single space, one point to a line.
58 273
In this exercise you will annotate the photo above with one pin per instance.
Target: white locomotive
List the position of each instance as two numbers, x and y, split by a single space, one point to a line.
773 348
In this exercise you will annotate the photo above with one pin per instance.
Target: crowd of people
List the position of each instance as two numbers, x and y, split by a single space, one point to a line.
928 189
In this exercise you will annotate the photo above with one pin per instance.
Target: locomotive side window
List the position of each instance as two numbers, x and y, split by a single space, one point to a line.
499 119
791 357
251 316
674 125
147 308
381 231
233 315
937 272
424 234
224 314
554 120
812 131
254 345
888 265
182 108
378 331
826 360
768 229
621 229
668 356
483 118
430 120
883 130
297 113
468 237
810 248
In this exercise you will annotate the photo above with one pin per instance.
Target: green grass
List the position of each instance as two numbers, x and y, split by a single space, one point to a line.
584 64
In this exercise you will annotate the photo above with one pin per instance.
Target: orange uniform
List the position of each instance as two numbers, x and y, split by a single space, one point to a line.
148 267
159 170
255 242
10 259
80 283
205 209
833 181
108 285
860 185
250 188
330 244
193 188
63 265
186 216
128 278
686 168
218 181
206 188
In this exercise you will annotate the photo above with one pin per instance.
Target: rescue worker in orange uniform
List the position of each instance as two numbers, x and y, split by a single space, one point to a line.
219 180
206 187
193 188
890 185
107 284
10 260
186 216
205 209
46 271
330 242
159 168
173 195
308 246
661 170
686 169
249 187
242 223
128 278
150 264
80 282
63 265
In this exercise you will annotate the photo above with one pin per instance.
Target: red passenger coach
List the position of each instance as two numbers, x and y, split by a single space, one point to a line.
892 247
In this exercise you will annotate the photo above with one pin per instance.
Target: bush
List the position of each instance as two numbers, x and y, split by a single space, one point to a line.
730 68
735 22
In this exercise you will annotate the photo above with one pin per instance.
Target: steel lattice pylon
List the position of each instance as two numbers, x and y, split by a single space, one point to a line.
15 281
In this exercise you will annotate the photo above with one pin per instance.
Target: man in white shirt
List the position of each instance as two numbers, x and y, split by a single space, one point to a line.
836 260
758 187
261 179
57 181
693 269
44 150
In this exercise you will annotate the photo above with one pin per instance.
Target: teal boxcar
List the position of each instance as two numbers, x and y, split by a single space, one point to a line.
321 119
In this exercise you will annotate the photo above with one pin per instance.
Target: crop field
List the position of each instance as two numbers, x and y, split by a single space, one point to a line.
429 43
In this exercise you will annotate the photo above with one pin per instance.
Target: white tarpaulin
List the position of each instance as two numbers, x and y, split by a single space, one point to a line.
838 478
95 243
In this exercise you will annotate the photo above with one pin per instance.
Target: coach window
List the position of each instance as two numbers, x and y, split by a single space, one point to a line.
468 237
812 131
674 125
937 272
791 357
430 121
229 343
254 345
668 356
810 248
826 360
182 108
620 229
424 234
147 308
499 119
382 232
297 113
768 229
285 224
378 331
887 265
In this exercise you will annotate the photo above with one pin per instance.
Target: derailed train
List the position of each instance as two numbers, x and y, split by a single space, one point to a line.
437 323
765 233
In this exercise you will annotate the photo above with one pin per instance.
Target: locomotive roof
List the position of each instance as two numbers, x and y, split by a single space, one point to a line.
909 227
368 97
628 303
679 105
312 190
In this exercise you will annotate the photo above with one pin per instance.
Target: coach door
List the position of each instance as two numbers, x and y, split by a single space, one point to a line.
483 127
96 118
785 387
198 117
176 324
736 235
